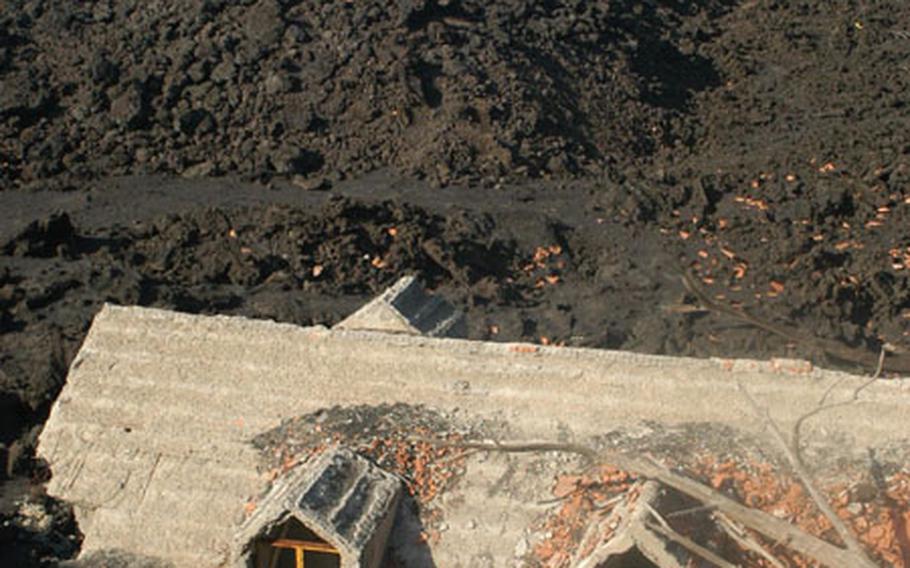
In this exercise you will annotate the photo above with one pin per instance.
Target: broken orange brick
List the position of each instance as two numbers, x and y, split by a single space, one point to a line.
540 253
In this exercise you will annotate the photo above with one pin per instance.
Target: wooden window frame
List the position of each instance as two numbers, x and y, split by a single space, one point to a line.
301 547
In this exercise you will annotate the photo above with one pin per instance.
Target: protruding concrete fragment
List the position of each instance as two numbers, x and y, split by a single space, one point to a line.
346 500
406 308
633 532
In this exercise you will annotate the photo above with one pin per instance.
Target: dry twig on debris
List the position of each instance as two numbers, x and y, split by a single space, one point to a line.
799 468
791 450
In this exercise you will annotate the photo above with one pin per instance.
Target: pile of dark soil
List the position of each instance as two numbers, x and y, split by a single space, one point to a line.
447 90
589 151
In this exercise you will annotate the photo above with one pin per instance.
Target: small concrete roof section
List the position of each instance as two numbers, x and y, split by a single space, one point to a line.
406 308
345 499
150 438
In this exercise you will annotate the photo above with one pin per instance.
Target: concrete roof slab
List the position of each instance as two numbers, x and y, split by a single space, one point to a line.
153 428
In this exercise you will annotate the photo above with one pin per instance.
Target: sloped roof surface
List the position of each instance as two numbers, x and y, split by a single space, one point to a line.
150 436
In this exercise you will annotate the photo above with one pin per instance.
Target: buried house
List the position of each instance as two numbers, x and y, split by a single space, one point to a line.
171 435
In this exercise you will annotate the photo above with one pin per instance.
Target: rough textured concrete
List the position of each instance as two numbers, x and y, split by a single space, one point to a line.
114 559
150 435
405 308
345 499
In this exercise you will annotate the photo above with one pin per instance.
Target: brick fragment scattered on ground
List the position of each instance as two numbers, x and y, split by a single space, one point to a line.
878 512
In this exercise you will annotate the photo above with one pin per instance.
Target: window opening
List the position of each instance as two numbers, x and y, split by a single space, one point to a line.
297 547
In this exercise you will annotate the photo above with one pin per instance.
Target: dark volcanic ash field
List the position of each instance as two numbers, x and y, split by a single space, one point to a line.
551 167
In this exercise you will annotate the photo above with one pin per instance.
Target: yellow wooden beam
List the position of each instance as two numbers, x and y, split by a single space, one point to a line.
305 545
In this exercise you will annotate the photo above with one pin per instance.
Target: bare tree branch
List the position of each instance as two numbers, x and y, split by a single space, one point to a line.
664 529
743 539
690 545
898 362
822 406
802 473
